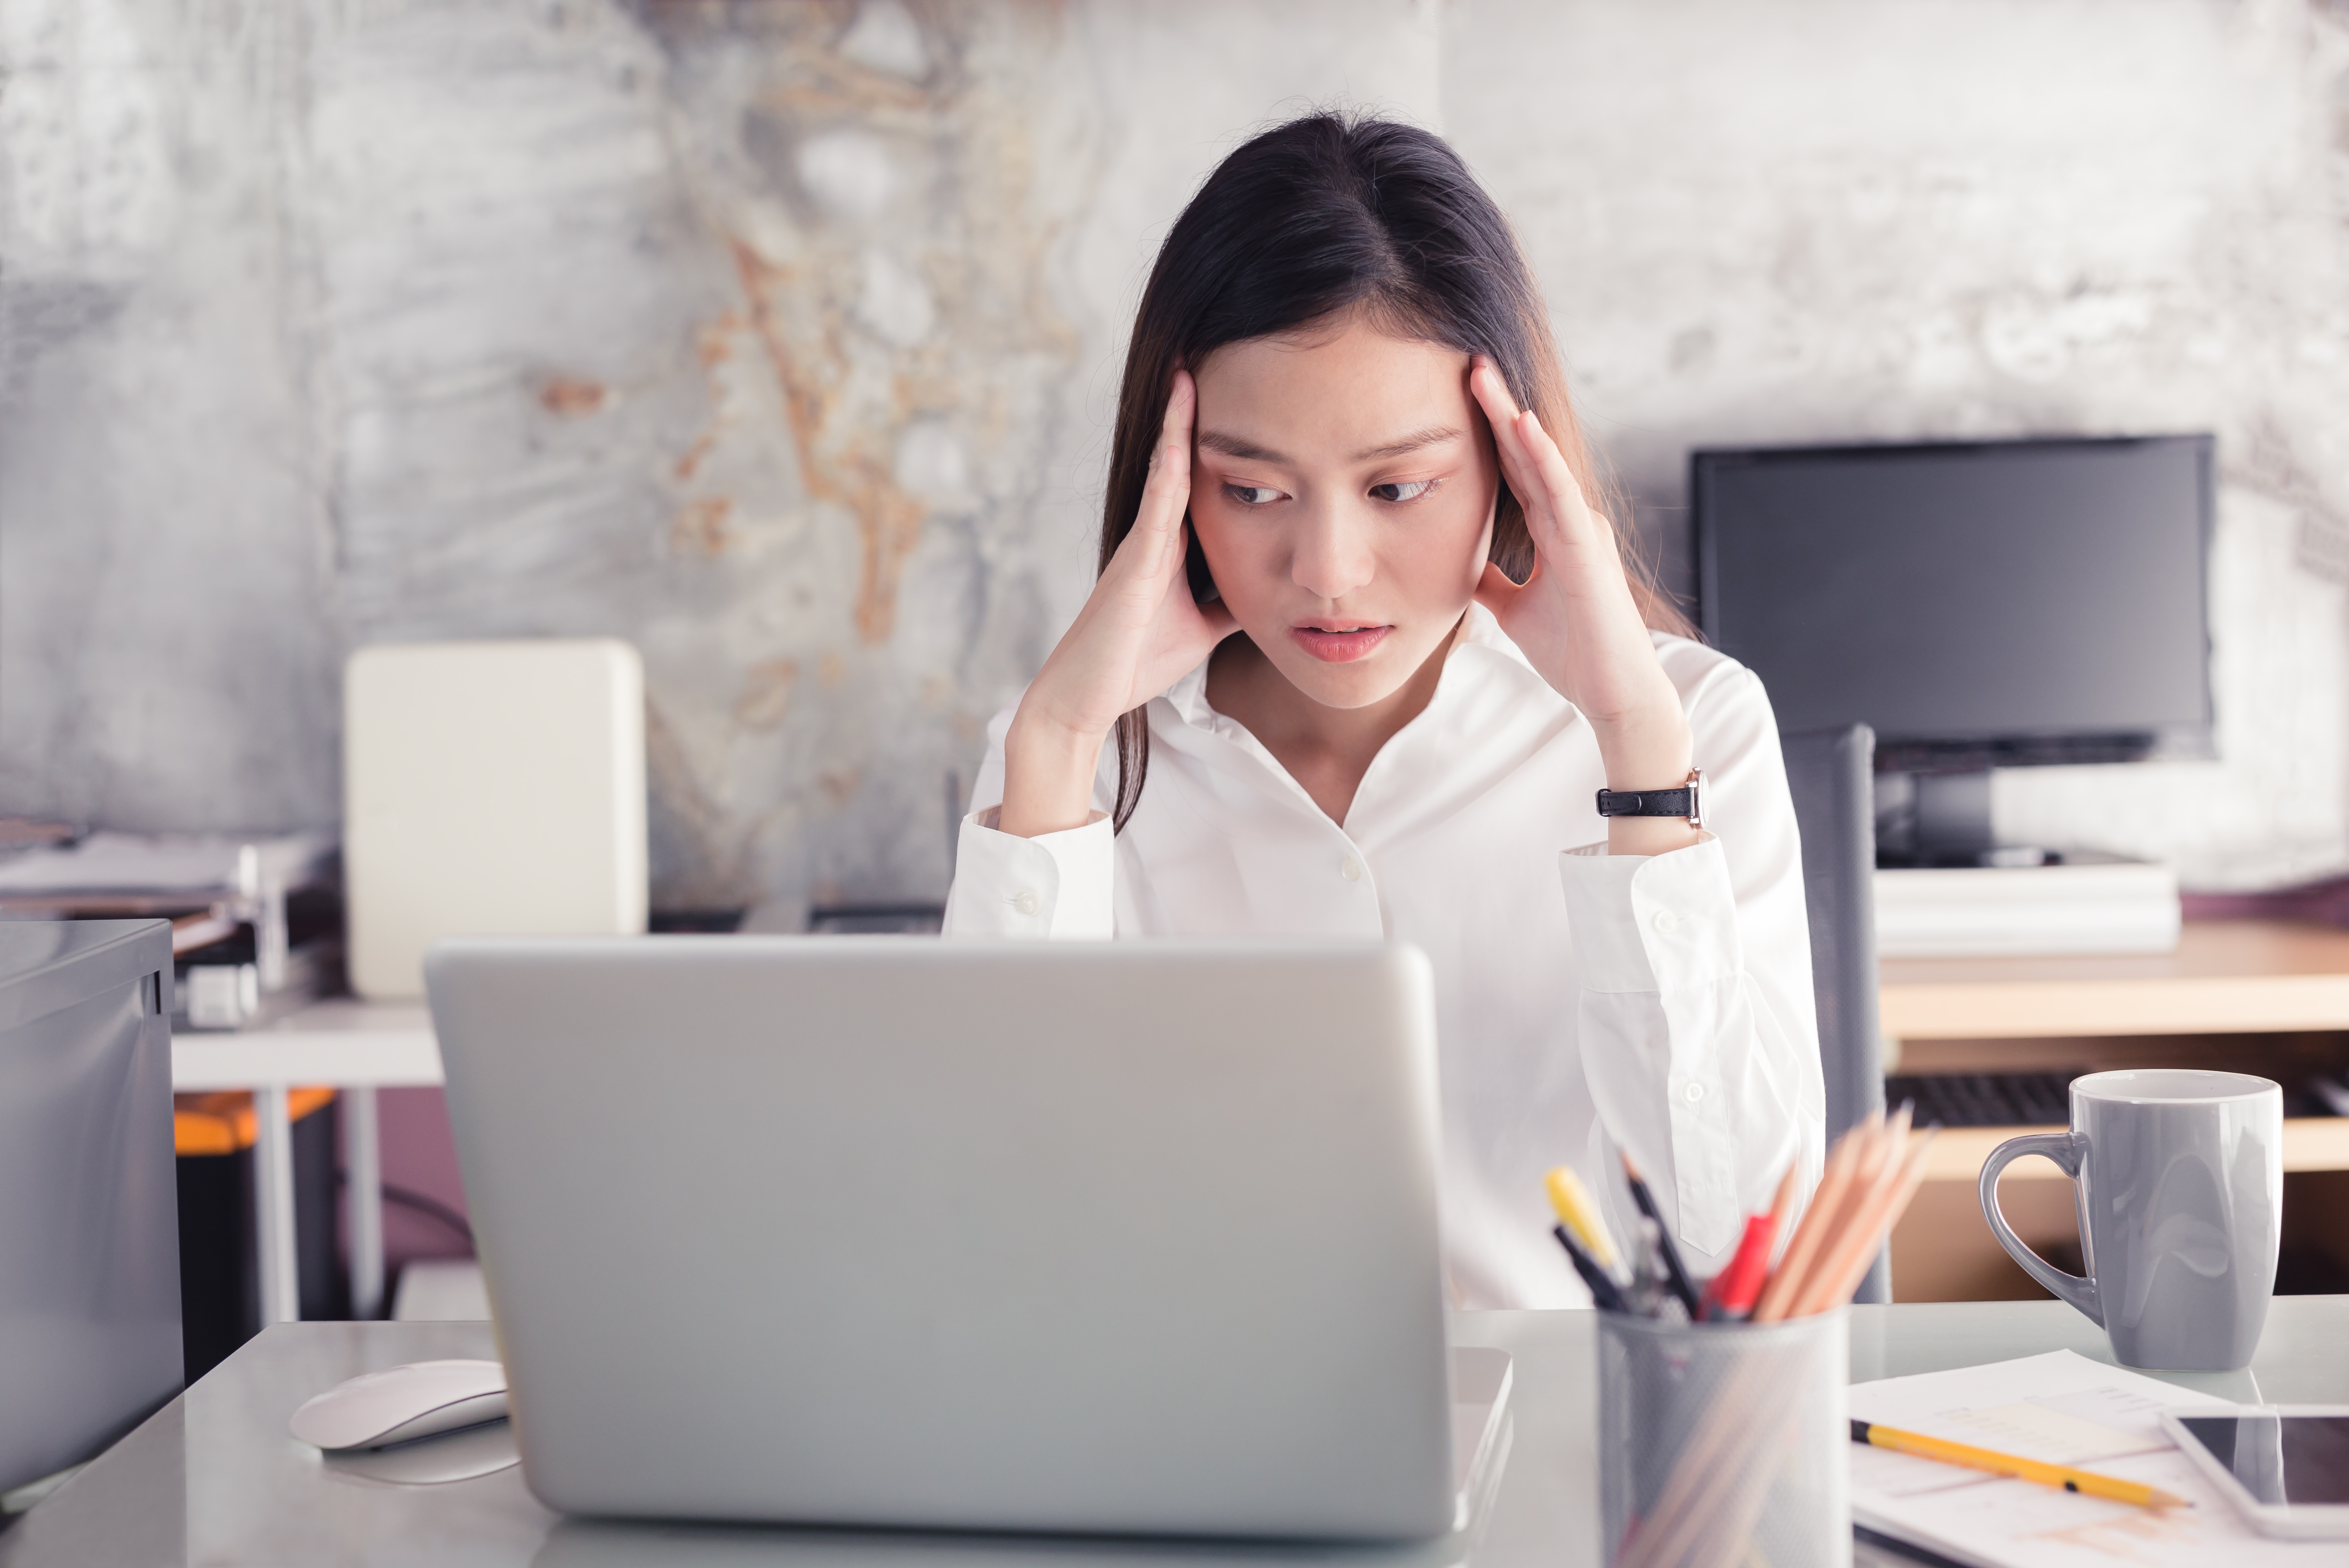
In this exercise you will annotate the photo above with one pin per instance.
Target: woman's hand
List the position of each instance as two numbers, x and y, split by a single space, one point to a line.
1576 621
1139 633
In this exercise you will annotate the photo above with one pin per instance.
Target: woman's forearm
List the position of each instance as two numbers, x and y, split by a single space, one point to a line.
1646 752
1048 777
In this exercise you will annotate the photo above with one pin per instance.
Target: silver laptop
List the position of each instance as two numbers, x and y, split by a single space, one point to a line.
1124 1238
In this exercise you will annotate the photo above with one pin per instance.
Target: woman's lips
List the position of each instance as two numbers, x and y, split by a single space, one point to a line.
1334 644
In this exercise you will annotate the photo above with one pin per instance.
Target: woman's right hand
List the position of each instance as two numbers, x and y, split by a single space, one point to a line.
1139 633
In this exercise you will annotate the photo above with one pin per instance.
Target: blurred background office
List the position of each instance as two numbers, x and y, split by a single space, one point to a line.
780 341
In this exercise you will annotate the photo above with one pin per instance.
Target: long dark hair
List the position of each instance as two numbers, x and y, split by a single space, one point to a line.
1327 213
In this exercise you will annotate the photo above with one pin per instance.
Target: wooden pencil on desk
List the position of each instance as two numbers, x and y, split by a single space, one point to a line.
2085 1481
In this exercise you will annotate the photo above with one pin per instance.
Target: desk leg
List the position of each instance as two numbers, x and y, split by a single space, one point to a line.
362 1133
272 1205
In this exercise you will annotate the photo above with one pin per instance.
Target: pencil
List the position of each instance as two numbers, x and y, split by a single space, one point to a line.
1866 1158
1781 1207
1973 1458
1905 1180
1733 1292
1777 1296
1857 1241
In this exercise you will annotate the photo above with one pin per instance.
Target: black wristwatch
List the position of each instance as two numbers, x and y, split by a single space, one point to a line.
1686 800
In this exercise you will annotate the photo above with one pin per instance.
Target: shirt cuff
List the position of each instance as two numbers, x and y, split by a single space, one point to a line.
1055 885
1652 922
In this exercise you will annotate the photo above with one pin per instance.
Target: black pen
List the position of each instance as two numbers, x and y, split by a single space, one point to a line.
1604 1291
1677 1275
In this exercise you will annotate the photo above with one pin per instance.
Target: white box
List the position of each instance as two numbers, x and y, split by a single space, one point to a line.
2088 905
490 789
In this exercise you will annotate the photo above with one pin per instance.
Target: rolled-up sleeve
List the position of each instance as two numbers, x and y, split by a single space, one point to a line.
1696 1023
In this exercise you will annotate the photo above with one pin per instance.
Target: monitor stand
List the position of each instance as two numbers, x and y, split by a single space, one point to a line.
1950 819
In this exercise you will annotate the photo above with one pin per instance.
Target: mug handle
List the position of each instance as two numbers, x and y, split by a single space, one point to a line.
2066 1149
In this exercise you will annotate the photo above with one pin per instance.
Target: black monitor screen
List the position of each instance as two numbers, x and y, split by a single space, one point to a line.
2042 599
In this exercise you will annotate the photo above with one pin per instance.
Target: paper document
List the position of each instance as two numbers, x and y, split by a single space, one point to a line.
2064 1409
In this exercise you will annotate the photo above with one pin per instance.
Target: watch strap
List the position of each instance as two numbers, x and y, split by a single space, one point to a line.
1684 801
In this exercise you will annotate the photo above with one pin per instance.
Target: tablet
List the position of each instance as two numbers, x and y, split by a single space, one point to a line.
2285 1467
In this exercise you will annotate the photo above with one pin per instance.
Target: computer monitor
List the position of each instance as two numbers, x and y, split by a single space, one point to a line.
1978 604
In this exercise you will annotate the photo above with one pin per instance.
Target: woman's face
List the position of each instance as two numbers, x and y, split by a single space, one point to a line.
1342 487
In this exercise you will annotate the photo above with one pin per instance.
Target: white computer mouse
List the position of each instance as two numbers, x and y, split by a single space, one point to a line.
401 1403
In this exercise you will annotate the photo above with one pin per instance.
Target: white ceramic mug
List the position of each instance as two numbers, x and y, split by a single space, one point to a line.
2178 1178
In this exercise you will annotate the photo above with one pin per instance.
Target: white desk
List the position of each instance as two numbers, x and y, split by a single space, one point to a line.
354 1046
213 1478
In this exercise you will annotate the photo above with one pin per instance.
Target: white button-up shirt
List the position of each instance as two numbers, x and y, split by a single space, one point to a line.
1585 1003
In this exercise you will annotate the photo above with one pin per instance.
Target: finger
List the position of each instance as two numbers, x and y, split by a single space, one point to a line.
1529 455
1569 513
1166 494
1491 391
1502 413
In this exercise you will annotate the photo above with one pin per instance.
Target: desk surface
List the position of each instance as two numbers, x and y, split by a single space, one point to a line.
340 1041
2226 976
213 1478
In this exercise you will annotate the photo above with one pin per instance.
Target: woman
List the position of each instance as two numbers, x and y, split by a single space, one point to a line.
1403 659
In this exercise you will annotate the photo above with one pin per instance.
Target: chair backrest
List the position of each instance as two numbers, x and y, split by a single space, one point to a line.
1831 775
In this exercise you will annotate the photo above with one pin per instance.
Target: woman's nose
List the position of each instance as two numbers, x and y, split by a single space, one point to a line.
1333 556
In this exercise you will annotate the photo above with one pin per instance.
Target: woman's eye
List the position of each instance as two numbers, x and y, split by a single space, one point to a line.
1411 490
1252 494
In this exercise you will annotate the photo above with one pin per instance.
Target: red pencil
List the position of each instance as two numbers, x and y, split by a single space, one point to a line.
1731 1295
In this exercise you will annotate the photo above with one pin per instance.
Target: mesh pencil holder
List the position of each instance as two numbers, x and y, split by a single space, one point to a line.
1724 1445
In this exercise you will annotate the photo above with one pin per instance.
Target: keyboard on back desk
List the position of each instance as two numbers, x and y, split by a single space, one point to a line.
2045 1099
1985 1100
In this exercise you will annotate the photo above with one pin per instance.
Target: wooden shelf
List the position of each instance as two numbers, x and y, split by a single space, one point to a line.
2227 977
2313 1143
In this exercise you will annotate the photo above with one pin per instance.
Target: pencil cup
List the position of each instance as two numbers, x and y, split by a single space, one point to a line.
1725 1444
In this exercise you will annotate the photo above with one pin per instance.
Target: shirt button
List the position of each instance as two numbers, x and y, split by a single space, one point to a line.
1692 1093
1027 903
1665 922
1350 869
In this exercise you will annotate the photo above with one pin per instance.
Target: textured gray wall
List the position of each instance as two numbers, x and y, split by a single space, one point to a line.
1816 219
782 339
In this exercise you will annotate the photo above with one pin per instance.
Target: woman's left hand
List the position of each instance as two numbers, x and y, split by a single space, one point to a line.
1576 621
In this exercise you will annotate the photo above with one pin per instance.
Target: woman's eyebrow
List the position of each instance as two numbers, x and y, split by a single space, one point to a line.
1248 452
1234 446
1410 443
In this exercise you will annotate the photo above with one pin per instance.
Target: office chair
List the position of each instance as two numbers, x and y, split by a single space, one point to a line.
1831 774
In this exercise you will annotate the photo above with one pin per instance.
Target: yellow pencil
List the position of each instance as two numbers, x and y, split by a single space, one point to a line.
2000 1464
1580 1215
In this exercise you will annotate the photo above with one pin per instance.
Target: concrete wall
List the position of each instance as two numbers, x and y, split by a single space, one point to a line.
1826 219
781 338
